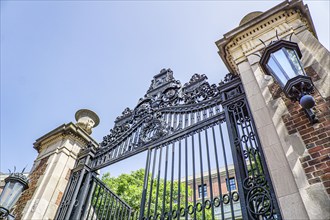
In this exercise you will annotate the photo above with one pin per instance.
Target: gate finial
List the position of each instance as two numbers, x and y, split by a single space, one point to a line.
87 119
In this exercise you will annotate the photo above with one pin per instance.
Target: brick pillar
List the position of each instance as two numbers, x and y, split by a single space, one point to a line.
58 151
296 151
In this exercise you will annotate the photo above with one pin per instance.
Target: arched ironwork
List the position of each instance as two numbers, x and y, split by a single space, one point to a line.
198 138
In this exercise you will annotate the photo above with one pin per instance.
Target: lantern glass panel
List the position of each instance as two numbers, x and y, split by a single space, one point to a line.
10 194
284 64
276 71
293 56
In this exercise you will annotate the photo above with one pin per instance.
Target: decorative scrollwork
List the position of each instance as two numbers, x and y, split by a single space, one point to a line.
127 112
229 77
235 107
251 182
153 129
165 91
259 203
198 89
258 199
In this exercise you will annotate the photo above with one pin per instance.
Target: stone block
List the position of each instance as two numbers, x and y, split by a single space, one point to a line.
251 88
256 102
268 136
292 207
261 117
275 157
283 181
246 72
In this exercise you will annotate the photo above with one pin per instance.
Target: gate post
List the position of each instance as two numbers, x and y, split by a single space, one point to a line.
295 149
58 151
254 183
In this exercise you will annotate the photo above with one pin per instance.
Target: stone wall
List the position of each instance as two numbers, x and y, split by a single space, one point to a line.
33 183
316 137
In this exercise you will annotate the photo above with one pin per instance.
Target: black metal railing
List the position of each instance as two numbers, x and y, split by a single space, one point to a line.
104 204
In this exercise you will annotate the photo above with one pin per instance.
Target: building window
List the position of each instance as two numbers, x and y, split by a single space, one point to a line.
231 184
202 190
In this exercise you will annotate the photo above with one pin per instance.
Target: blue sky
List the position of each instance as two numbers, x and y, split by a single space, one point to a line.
60 56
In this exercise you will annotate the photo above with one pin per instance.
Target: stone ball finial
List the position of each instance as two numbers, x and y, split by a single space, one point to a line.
87 119
250 17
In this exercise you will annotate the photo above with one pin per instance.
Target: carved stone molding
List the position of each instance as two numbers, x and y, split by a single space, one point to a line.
286 18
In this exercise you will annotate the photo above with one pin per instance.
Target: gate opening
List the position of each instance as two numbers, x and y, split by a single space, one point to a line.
203 158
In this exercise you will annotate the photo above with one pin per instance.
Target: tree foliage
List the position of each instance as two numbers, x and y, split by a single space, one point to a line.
129 188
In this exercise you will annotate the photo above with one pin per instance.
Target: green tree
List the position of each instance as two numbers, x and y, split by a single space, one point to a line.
129 188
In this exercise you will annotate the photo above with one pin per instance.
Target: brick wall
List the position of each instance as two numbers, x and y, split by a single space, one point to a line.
27 194
316 138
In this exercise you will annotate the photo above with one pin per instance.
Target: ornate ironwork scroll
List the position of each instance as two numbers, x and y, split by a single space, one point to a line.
136 129
259 196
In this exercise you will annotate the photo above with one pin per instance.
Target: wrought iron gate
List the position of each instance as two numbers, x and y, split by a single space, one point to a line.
204 159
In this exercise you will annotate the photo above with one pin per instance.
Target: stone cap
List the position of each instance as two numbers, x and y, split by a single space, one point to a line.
253 26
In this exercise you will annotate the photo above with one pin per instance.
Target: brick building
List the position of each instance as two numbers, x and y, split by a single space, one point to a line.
226 183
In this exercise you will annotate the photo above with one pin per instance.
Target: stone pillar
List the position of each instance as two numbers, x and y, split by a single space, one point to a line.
58 151
296 151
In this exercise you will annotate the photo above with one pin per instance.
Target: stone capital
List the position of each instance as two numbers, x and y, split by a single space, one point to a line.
258 29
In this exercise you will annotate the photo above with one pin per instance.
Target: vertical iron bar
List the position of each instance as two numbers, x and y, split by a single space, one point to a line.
211 113
130 145
120 213
249 131
109 206
105 207
83 195
202 174
218 174
116 208
186 120
136 137
152 181
100 204
97 199
179 182
172 179
165 179
170 120
175 126
186 170
75 192
123 215
201 166
210 173
129 214
180 121
158 180
243 144
236 119
227 173
113 206
194 173
145 184
91 199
